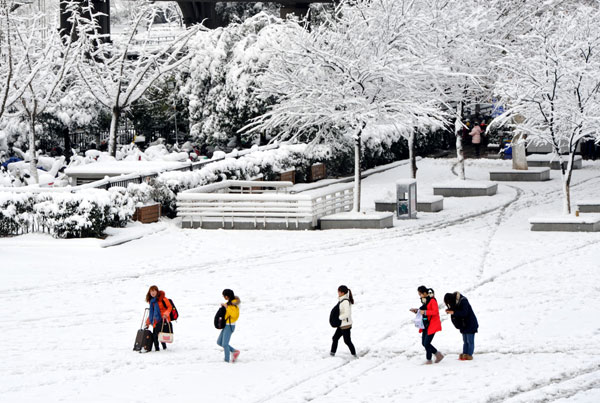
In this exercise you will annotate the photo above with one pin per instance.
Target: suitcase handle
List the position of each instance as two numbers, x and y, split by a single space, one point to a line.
144 317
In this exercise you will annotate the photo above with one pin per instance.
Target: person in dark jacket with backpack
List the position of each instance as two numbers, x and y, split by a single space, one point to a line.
431 322
464 319
160 309
345 317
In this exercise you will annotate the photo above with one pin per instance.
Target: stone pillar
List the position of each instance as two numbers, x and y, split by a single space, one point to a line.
519 156
300 10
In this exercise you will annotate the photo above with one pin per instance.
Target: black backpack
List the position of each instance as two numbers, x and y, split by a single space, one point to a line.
220 318
334 316
174 313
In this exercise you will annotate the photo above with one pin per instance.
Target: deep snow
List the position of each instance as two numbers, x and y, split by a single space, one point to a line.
71 308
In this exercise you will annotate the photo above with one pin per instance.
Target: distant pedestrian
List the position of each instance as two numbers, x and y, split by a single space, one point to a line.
346 300
431 322
476 133
160 309
232 313
464 319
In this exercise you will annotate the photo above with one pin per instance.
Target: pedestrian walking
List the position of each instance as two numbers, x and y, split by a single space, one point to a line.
464 319
160 310
431 322
476 133
345 302
232 313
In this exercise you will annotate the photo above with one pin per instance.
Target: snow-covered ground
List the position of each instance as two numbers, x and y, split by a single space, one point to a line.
71 307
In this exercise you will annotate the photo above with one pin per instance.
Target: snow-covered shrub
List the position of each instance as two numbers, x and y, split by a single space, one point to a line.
65 215
122 206
154 191
16 212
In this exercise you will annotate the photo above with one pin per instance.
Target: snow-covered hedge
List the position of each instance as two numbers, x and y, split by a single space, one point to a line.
65 215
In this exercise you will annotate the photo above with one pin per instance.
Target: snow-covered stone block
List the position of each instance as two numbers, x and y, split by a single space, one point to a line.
385 205
538 174
430 204
589 206
566 223
551 161
357 220
465 188
426 204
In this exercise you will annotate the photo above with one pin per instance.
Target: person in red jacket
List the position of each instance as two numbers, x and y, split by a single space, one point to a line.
431 322
160 309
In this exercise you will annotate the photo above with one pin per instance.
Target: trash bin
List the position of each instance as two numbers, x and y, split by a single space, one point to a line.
406 198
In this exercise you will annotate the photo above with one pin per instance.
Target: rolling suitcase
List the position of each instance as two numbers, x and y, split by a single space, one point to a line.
143 338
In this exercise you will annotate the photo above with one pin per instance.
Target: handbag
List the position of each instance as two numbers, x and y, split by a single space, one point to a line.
166 337
419 320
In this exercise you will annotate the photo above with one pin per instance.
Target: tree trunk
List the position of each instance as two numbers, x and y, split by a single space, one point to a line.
68 146
566 178
412 155
460 155
32 155
112 136
357 153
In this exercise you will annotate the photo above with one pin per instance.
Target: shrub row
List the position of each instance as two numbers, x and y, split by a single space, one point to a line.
65 215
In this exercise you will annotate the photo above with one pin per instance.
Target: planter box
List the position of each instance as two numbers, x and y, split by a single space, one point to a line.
460 188
549 160
517 175
288 176
357 220
317 172
566 223
147 214
589 206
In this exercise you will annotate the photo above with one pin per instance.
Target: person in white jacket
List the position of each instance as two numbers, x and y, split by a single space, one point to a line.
345 303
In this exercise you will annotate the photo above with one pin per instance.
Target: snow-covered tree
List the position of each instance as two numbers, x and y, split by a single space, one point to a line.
16 37
368 67
119 73
223 76
47 57
550 82
463 34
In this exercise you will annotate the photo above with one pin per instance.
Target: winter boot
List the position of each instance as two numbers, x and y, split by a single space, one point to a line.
461 357
468 357
236 354
428 362
438 357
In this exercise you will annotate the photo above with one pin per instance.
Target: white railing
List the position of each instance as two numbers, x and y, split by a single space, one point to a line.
261 204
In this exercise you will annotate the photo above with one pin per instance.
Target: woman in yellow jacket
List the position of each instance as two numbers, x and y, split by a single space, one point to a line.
231 316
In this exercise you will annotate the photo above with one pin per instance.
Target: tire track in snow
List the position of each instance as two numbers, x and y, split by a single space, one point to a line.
561 378
393 233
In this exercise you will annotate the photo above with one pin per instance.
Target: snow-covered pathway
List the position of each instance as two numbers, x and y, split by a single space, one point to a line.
76 307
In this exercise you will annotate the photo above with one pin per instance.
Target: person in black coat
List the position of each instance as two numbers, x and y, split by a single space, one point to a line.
464 319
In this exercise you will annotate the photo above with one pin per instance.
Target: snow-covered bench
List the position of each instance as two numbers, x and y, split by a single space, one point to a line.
551 161
589 206
260 205
425 204
566 223
430 204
